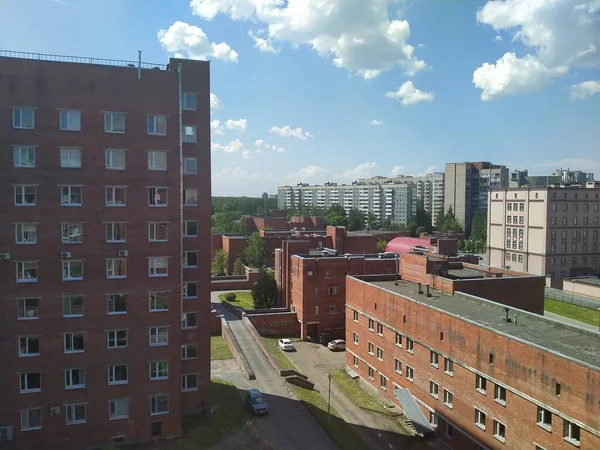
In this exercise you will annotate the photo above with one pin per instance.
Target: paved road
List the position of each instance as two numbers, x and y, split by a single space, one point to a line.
568 321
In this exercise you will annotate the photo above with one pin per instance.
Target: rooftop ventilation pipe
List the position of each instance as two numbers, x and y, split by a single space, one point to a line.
428 293
420 289
139 64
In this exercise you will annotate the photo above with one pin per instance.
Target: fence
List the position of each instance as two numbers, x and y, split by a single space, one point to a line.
573 299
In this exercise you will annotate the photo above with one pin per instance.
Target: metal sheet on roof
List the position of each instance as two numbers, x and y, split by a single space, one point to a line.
412 411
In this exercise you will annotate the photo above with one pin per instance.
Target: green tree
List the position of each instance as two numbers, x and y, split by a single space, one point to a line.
412 227
220 263
479 232
264 290
387 224
336 216
423 218
381 245
420 229
238 267
256 251
439 219
372 221
450 224
356 220
397 226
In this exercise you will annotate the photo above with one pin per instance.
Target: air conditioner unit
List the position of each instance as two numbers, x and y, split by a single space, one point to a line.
54 410
123 253
6 434
4 256
65 255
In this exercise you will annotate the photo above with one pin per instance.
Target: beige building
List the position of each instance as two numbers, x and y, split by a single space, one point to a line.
545 230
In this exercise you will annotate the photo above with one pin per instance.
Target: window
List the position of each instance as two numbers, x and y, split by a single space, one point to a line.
157 160
158 266
380 329
71 195
159 404
159 301
70 158
31 419
190 197
189 382
118 409
355 316
189 351
409 345
116 268
480 419
371 373
114 122
500 395
73 306
521 206
29 346
557 389
74 378
117 338
190 259
116 232
332 290
399 340
116 304
371 325
114 158
190 166
30 382
189 134
508 219
448 399
159 370
158 336
74 342
499 431
72 270
28 308
115 196
433 389
571 432
118 374
480 384
27 272
72 233
433 359
509 206
521 220
371 348
190 228
433 418
409 373
158 231
189 320
398 366
355 361
565 207
24 157
70 120
355 338
157 196
190 290
383 381
157 125
544 418
25 195
26 233
188 101
24 118
448 428
379 354
448 367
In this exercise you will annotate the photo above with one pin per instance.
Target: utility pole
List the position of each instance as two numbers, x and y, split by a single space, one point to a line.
329 397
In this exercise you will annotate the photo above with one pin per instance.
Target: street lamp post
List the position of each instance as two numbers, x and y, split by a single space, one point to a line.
329 397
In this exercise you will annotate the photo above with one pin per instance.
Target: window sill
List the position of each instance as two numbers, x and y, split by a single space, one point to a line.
158 240
116 205
189 328
116 242
162 275
450 374
499 438
159 413
26 243
158 206
78 422
544 426
118 418
26 204
501 402
437 366
73 279
410 351
31 429
28 355
481 391
159 310
30 391
410 379
189 390
159 345
480 426
74 351
71 204
574 442
27 281
71 242
70 316
436 396
116 346
117 383
114 132
449 405
28 318
118 313
159 378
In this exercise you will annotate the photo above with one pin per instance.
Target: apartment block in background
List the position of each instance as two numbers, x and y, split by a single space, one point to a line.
521 178
546 230
104 324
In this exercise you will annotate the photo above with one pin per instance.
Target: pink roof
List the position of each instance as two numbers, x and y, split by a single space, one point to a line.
403 244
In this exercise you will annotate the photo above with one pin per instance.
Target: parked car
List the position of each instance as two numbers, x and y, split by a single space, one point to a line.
285 345
256 401
337 344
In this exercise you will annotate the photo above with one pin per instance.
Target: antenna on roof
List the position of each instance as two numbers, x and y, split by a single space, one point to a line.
139 64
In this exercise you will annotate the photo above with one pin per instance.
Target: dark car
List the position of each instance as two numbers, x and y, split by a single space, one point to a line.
256 401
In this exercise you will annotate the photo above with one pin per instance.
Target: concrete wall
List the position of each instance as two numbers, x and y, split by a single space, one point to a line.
581 288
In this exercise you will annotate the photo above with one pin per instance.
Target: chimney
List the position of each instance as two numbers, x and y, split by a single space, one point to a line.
515 319
420 290
428 293
506 311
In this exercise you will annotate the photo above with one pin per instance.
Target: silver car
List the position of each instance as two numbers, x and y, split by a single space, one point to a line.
337 344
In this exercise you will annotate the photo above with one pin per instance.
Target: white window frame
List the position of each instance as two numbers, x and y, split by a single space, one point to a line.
194 168
379 353
153 228
187 253
158 370
111 303
67 304
25 342
153 301
68 229
410 373
21 194
355 338
448 399
190 134
26 233
185 352
568 431
434 358
398 340
434 389
480 384
19 112
24 387
188 197
64 118
449 367
152 260
544 418
185 384
18 151
410 345
497 427
153 192
154 403
154 336
22 268
116 407
112 157
152 157
112 375
497 390
26 419
66 199
398 366
155 119
121 228
186 226
113 335
184 101
72 155
109 122
185 322
111 196
69 341
68 265
186 293
71 412
70 383
480 419
115 267
22 306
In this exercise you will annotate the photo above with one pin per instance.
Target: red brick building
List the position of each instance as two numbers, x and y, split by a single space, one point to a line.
477 373
98 340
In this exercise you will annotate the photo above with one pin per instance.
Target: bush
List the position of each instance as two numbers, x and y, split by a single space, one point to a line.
230 296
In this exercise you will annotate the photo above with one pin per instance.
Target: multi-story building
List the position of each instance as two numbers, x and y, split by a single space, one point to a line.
476 373
546 230
521 178
104 249
467 186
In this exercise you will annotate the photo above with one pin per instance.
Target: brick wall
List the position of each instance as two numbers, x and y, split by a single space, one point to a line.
215 322
234 247
276 324
236 283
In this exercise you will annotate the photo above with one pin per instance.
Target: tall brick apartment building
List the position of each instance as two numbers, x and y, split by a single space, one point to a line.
104 249
477 373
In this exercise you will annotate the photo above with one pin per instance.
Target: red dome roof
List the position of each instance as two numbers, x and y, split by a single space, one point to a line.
403 244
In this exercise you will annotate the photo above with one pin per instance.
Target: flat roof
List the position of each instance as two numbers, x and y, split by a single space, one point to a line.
465 274
595 281
578 344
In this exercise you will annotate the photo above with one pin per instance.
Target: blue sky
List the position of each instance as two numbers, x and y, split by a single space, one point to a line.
300 82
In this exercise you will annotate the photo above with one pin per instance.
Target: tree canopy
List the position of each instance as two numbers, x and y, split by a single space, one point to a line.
220 263
423 218
264 291
238 267
372 221
449 223
256 251
336 216
381 245
356 219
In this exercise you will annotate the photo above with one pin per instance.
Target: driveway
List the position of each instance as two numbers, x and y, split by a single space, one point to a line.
216 304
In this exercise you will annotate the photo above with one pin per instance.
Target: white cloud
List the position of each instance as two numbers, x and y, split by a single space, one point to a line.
498 38
429 170
397 170
191 42
236 125
264 45
215 126
408 94
363 170
260 144
376 122
277 149
287 131
233 146
215 103
585 89
558 34
359 34
246 154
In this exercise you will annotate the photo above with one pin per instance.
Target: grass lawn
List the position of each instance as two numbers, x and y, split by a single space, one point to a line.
355 392
219 348
282 359
585 315
242 300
